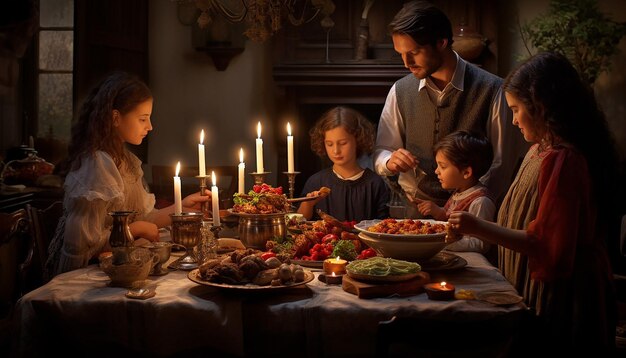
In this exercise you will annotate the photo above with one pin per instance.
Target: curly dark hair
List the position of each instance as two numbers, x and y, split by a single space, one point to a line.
467 149
423 21
94 131
352 121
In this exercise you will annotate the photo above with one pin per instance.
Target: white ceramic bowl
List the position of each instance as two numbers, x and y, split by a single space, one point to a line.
410 250
140 263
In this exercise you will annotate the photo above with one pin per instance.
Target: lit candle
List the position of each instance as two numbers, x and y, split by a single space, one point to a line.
336 266
290 165
440 291
242 167
333 279
201 164
259 151
215 200
178 206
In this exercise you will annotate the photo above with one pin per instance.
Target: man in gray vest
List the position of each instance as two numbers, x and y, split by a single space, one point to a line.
442 94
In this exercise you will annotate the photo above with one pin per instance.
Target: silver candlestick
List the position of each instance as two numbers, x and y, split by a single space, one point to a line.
259 177
291 177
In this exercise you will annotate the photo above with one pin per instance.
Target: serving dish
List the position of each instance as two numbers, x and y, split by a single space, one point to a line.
194 275
247 215
409 250
363 225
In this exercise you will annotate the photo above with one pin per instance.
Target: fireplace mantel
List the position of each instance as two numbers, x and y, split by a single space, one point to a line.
362 82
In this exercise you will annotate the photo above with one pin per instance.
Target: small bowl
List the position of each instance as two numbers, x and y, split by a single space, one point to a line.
405 249
137 269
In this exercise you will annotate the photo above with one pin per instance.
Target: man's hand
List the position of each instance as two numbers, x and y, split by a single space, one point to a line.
401 161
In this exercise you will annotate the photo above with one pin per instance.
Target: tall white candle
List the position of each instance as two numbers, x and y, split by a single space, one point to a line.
259 151
242 170
290 166
178 206
201 163
215 200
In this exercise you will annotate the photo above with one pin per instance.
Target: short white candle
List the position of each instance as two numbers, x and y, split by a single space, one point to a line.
215 200
178 206
259 151
201 163
290 166
242 170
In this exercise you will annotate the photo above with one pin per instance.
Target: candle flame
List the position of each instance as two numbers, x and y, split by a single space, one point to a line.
334 274
240 155
213 178
202 136
177 168
258 130
288 128
337 258
443 284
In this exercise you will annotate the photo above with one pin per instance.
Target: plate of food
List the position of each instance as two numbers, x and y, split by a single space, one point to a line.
383 269
300 227
406 229
443 261
500 298
225 245
194 275
308 263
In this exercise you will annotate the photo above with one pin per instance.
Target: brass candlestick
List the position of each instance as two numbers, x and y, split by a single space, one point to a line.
292 181
259 177
204 206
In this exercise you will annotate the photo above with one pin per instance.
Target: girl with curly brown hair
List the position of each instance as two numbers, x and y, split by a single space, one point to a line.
343 135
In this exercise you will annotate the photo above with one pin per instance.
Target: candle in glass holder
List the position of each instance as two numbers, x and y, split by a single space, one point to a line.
215 201
241 171
335 265
178 206
290 164
259 151
201 163
440 291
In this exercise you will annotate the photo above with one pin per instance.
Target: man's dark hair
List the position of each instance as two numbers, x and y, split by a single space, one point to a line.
424 22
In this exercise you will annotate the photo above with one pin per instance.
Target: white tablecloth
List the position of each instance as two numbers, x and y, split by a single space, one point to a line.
78 312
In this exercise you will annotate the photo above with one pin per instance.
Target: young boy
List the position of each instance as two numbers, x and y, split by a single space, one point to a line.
462 158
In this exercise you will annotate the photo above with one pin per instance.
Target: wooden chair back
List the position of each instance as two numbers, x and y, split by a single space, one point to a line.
15 258
43 227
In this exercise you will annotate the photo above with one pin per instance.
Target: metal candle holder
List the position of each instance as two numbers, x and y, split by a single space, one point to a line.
207 248
292 181
204 206
186 232
259 177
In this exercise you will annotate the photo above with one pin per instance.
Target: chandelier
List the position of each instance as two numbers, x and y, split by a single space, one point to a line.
263 17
